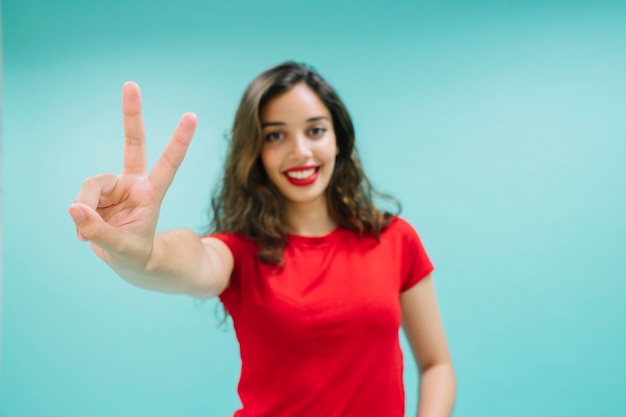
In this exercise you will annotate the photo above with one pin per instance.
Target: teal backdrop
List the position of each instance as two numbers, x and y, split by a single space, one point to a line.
500 125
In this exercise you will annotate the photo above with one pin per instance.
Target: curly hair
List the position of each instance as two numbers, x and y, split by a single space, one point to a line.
247 202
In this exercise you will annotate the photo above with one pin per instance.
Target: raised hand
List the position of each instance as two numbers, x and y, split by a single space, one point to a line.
118 214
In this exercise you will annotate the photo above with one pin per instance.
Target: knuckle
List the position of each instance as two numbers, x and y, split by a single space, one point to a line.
89 181
121 247
93 181
168 162
91 232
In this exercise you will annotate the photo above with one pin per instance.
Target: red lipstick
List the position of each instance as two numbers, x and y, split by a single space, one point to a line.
302 181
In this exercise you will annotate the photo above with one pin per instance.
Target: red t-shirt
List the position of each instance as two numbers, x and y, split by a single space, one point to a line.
319 337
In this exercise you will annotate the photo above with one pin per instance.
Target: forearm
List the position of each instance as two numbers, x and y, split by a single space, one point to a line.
178 264
437 391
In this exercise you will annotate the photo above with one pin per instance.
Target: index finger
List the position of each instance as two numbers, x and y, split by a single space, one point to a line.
135 159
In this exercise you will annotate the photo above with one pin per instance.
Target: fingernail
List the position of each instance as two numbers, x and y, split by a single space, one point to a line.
77 213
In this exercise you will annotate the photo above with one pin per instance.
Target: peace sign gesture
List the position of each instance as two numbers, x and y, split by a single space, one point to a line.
118 214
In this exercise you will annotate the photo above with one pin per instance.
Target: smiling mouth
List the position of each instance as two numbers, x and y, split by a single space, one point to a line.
302 176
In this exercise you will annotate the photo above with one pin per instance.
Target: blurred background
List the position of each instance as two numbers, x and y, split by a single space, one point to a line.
500 126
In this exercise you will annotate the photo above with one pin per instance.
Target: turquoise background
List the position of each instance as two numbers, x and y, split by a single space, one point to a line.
500 125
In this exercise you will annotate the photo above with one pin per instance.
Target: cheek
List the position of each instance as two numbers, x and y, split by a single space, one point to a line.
334 147
270 162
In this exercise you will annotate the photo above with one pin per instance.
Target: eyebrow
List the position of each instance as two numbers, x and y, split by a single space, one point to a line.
312 119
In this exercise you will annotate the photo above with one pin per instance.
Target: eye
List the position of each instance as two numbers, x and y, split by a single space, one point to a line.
317 131
273 136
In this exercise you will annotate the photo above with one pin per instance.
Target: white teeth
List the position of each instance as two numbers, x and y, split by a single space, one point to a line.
300 175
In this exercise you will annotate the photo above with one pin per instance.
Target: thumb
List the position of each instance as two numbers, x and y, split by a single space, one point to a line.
89 225
79 215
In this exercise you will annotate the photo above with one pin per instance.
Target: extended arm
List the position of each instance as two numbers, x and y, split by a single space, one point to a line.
424 330
118 215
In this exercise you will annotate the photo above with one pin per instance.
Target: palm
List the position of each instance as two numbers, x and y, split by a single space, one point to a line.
122 210
128 204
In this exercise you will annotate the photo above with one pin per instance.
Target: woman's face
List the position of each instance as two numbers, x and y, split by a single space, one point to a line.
300 146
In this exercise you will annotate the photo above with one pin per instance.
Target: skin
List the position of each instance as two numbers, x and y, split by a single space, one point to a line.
117 215
423 328
298 132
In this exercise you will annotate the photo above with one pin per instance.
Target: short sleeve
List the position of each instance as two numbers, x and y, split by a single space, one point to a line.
230 296
232 241
416 263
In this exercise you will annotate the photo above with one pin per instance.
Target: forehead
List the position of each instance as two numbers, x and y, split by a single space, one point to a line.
299 103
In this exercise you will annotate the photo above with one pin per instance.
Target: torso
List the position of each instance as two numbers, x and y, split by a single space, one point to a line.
319 335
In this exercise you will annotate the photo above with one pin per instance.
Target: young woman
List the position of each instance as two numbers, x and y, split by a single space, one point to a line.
316 279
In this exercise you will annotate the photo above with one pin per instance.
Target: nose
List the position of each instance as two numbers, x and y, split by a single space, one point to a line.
300 147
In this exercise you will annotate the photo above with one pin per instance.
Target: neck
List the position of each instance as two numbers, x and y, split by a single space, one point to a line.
312 219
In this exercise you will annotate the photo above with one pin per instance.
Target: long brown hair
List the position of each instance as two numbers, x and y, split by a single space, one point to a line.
247 202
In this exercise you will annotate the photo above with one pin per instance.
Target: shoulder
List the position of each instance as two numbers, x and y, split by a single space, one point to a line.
416 263
398 226
401 232
228 238
237 243
243 259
